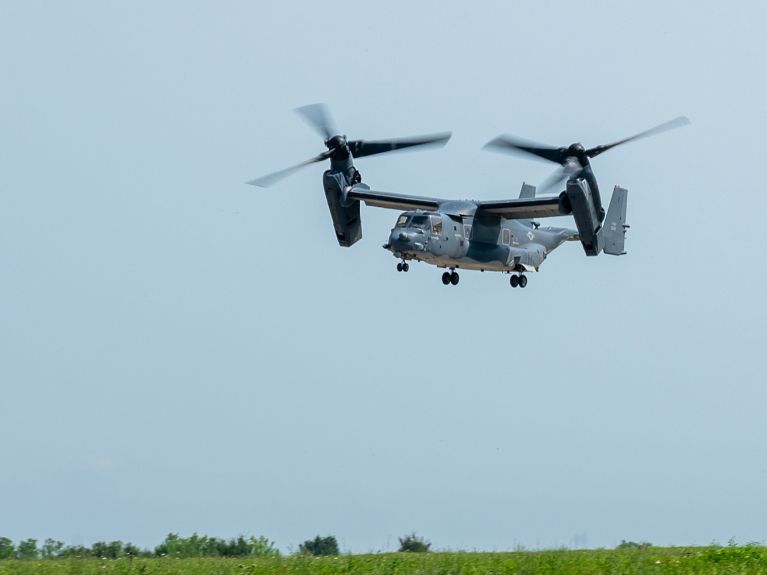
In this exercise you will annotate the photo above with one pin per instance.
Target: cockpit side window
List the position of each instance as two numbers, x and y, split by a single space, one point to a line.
436 226
467 231
401 221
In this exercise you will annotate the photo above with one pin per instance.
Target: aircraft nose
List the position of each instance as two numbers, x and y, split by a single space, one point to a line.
402 236
404 240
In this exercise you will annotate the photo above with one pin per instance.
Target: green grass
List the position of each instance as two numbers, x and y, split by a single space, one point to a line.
652 561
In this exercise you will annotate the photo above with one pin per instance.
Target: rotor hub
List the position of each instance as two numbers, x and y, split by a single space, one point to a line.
577 151
336 142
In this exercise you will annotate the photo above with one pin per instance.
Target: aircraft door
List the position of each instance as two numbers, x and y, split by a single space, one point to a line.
458 244
438 240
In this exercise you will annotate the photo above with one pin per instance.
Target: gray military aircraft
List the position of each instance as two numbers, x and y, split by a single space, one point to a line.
495 235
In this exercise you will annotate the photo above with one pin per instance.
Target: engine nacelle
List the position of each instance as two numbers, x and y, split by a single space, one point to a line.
581 203
345 213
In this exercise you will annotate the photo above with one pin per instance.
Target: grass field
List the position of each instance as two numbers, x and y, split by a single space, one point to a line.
655 560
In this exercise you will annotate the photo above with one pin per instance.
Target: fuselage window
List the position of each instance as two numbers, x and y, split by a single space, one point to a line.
401 221
467 231
436 226
506 236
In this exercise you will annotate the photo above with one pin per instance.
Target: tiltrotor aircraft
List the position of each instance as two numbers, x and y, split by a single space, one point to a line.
496 235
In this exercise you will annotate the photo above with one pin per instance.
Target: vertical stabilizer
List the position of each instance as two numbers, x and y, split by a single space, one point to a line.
527 192
614 228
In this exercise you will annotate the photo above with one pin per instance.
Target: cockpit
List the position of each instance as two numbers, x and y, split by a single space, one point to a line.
419 221
414 231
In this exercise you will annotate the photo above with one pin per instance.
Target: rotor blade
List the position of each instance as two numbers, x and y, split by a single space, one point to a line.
512 145
556 178
269 179
318 116
670 125
360 148
570 168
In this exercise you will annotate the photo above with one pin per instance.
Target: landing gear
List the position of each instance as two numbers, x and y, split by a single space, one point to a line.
403 267
519 280
450 278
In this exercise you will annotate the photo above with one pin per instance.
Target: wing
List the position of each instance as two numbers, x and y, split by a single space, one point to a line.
522 208
392 201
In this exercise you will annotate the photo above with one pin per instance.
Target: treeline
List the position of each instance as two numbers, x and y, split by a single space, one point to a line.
184 547
173 545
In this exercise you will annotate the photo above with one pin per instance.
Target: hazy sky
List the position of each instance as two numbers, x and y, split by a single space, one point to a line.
182 352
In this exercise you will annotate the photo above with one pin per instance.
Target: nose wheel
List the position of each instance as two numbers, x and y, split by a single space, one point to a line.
403 267
518 280
450 278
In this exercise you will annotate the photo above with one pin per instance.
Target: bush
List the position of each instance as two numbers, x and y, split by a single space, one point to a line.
319 546
27 549
7 549
204 546
633 545
132 550
104 550
75 551
413 544
51 548
262 547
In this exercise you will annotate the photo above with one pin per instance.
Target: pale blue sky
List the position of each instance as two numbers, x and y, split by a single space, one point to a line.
182 352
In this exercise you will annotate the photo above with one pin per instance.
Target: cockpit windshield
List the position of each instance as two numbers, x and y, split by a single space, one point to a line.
420 222
413 221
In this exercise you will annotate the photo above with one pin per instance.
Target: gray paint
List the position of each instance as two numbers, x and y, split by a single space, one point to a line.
504 238
615 224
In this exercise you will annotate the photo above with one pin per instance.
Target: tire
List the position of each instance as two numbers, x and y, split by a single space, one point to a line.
454 277
446 278
399 267
405 267
522 281
514 281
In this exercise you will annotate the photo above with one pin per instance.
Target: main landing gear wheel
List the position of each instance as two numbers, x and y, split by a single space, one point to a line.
403 267
520 281
450 278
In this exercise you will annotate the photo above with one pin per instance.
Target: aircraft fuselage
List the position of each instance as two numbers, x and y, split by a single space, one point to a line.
478 243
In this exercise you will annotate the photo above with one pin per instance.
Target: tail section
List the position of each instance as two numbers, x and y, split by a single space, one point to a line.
614 228
527 192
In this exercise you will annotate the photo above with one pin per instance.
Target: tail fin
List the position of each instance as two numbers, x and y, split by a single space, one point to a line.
527 192
614 228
